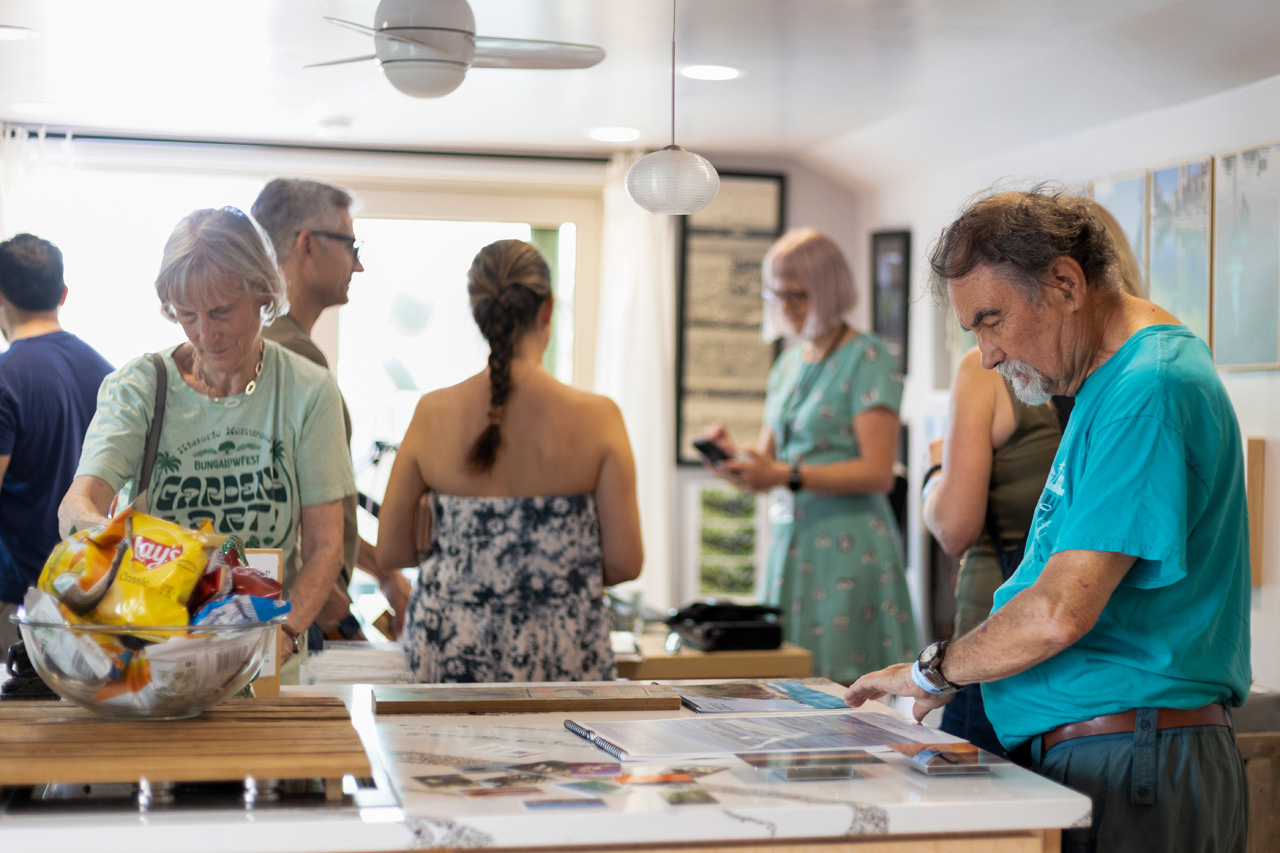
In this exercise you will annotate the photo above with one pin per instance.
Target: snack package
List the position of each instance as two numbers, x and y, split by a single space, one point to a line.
178 671
216 581
95 658
134 570
241 608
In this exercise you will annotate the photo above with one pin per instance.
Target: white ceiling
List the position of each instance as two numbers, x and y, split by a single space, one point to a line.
868 87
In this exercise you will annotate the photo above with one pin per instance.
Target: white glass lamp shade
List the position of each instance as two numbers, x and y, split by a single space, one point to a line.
672 181
424 78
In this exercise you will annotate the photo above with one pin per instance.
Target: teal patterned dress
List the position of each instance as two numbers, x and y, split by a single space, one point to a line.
836 570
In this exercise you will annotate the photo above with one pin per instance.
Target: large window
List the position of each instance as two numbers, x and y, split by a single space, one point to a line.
110 206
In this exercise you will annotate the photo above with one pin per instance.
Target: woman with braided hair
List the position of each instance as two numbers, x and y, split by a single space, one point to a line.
531 485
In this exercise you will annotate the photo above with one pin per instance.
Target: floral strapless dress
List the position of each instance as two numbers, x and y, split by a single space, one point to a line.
512 589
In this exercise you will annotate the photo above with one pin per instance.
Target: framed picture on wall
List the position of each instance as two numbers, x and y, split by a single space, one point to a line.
1178 211
722 363
1246 259
1125 198
890 285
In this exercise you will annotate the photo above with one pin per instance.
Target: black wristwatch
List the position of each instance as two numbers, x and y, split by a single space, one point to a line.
930 666
794 482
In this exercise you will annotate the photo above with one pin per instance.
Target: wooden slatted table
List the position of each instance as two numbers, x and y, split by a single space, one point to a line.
295 737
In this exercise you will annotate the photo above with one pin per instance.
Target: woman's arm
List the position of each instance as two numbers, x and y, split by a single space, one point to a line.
321 546
956 508
84 505
396 546
616 501
871 473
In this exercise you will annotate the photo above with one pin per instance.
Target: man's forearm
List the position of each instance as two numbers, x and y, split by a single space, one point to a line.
1015 638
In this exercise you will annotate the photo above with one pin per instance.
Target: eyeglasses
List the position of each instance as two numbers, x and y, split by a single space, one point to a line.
786 297
352 243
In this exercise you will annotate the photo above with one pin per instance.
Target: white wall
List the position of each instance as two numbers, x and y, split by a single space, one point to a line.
1222 123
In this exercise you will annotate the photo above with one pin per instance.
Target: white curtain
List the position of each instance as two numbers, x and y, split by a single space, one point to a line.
635 362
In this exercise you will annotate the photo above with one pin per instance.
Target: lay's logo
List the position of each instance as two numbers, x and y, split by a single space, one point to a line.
152 554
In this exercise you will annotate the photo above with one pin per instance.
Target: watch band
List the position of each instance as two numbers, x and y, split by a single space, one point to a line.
292 635
794 481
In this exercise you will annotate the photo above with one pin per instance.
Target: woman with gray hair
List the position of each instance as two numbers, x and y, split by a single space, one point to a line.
250 437
825 455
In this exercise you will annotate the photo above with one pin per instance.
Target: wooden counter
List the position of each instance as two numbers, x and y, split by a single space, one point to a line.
656 663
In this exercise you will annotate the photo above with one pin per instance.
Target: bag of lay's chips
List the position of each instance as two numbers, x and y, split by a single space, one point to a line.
134 570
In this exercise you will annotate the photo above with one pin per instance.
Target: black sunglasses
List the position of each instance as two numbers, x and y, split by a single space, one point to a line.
352 243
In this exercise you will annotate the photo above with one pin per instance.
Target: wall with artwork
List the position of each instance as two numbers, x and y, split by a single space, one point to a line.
1208 172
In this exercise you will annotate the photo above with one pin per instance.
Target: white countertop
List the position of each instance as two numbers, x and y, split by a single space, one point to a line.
749 803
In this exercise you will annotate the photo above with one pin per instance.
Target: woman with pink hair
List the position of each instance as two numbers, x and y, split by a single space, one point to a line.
826 456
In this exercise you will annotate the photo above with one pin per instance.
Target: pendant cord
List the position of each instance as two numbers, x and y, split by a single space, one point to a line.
673 72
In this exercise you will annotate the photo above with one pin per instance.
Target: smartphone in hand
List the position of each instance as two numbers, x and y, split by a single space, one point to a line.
710 451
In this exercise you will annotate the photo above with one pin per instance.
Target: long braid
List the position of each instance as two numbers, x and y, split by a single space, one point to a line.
508 283
501 350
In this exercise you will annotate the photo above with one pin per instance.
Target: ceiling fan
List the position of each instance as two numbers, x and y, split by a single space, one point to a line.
425 47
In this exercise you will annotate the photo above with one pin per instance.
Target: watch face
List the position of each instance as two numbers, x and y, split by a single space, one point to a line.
929 655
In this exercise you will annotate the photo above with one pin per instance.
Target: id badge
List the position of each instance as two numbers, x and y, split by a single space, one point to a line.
782 505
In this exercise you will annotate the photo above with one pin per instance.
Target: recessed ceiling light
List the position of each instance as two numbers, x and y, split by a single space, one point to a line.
710 72
615 134
36 108
10 32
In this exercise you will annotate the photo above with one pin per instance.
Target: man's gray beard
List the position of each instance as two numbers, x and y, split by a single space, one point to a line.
1029 385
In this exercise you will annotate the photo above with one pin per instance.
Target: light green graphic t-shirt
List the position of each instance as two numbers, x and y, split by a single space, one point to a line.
248 469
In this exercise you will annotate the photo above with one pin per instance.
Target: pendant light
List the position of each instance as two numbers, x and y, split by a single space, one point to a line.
672 181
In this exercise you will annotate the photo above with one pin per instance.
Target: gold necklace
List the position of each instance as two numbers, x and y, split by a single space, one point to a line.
231 402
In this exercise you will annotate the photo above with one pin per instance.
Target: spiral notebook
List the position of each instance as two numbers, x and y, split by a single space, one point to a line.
723 736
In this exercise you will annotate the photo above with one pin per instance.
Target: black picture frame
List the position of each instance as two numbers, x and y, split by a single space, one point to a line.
722 363
890 291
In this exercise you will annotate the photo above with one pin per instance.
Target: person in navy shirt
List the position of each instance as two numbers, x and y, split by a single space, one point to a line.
49 382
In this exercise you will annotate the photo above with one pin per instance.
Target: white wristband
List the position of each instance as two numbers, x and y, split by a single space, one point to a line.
923 683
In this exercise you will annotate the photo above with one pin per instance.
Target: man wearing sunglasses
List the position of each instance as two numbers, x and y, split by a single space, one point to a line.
310 226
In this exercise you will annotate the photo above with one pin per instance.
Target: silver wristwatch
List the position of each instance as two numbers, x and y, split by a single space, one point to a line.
930 667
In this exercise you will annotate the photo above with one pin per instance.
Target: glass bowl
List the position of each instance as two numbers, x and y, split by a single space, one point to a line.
136 672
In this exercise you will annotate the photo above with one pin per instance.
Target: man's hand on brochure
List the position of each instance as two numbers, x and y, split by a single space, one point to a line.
894 681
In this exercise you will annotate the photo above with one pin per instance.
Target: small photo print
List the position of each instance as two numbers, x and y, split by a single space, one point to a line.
808 758
511 780
690 797
480 768
947 758
575 803
483 793
445 782
697 772
591 787
544 768
815 772
588 769
653 779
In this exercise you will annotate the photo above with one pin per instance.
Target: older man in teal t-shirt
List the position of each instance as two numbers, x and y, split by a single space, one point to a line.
1112 653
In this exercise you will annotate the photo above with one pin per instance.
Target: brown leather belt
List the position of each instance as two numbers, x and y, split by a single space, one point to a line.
1108 724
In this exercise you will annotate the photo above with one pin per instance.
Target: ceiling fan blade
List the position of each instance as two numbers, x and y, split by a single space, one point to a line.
349 25
370 31
342 61
529 53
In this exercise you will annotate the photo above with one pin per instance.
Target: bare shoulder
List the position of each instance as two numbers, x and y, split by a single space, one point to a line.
972 377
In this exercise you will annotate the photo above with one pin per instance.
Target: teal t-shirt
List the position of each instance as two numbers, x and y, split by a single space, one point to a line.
1150 465
249 469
